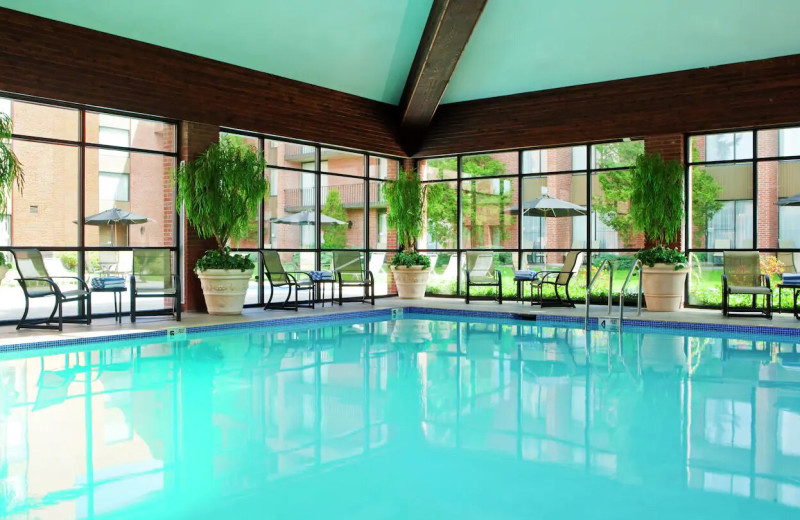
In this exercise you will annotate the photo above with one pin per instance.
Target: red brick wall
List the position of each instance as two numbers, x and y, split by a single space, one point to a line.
195 138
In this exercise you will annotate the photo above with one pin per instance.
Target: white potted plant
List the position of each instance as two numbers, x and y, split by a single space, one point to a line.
657 211
405 197
220 192
10 174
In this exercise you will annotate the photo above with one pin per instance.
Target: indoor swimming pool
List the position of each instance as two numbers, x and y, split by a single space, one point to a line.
423 417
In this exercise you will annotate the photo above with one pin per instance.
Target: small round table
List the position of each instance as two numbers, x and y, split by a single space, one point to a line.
115 292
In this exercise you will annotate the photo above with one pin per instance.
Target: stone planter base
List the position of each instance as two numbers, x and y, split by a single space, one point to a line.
224 289
411 281
663 287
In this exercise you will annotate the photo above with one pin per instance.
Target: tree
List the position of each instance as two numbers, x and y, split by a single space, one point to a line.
335 235
705 203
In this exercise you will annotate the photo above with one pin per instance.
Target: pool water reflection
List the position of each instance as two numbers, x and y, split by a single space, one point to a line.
404 419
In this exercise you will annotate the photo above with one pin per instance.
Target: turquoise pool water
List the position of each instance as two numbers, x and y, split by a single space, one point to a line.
412 419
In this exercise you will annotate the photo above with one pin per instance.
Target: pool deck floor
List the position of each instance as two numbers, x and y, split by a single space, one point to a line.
108 327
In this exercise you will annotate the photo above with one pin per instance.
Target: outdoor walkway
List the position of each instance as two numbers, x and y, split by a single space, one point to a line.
107 326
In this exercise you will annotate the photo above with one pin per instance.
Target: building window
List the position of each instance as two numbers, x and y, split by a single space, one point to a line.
732 226
789 141
727 423
729 147
114 187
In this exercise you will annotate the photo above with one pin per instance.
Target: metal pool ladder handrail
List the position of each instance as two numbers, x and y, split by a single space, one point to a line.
636 265
604 264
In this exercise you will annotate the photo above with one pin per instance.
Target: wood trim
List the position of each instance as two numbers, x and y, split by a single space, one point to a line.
764 92
55 60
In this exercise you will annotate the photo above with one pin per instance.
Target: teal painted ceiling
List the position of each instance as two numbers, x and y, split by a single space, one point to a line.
365 47
526 45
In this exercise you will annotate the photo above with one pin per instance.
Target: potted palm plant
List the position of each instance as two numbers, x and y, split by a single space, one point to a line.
10 174
406 199
657 212
220 192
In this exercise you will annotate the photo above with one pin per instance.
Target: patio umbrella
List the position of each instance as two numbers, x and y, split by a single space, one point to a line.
306 217
546 206
794 200
114 216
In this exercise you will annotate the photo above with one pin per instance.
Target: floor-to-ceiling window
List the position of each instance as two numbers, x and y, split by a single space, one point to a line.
741 189
321 201
528 207
80 163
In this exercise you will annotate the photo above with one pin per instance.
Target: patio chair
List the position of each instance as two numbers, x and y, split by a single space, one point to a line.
561 278
742 275
480 272
37 283
350 272
277 276
152 277
790 261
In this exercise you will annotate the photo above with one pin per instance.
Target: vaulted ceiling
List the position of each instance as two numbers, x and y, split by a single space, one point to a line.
366 47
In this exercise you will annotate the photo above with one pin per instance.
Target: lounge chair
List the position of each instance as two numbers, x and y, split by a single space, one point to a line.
277 276
561 278
351 272
742 275
480 272
37 283
152 277
790 261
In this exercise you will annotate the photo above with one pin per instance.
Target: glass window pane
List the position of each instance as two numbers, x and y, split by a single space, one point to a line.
381 272
485 165
616 155
253 142
487 220
722 147
544 227
552 160
340 161
145 134
379 231
45 213
342 212
37 120
382 168
57 263
139 183
611 224
441 219
289 216
291 155
722 206
444 272
442 168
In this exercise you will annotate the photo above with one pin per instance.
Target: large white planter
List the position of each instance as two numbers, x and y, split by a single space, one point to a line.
411 281
224 289
663 287
3 272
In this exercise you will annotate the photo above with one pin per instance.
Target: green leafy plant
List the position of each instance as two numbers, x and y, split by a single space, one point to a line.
4 262
662 255
10 167
410 259
406 198
334 235
657 198
220 191
214 259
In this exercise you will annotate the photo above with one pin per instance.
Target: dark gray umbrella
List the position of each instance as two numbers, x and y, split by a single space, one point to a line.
794 200
546 206
114 216
306 217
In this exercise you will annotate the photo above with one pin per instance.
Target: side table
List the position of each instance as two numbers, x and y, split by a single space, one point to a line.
115 293
795 288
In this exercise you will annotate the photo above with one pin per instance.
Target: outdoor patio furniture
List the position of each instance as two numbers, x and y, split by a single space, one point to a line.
37 283
480 272
351 272
561 278
152 277
742 275
277 276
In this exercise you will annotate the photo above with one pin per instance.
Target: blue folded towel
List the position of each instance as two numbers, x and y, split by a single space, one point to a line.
320 275
791 278
108 282
525 274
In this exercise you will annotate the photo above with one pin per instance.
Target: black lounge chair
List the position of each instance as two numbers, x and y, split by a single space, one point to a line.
152 278
480 272
277 276
37 283
561 278
351 271
742 275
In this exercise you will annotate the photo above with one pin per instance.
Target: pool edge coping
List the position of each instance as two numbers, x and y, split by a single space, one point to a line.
630 324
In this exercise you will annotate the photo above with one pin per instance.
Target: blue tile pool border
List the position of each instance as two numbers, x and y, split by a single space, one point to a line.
629 324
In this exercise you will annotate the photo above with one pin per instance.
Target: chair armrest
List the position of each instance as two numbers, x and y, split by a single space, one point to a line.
132 283
370 277
498 275
46 280
724 283
294 274
765 277
81 280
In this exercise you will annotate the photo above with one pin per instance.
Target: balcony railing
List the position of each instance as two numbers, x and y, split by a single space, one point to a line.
351 195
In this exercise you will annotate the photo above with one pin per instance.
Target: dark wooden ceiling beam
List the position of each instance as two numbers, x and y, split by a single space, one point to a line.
449 27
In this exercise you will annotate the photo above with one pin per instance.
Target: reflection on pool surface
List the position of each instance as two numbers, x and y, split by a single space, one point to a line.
404 419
